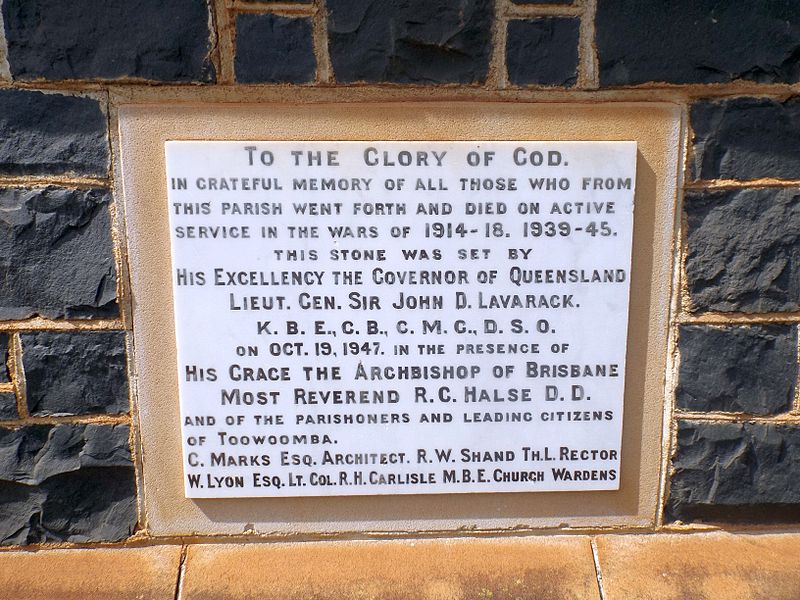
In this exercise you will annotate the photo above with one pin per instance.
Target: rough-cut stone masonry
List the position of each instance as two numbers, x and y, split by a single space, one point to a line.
55 253
743 249
52 134
543 51
75 373
66 483
66 470
746 138
418 41
98 39
3 357
735 472
274 49
8 406
751 369
699 41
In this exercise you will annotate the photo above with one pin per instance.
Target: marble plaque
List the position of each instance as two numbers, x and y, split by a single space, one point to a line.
361 318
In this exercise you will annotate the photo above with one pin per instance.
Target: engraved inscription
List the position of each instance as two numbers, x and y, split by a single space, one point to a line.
360 318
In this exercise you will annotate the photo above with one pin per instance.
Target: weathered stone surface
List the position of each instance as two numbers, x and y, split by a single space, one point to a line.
4 357
33 454
274 49
51 134
8 406
737 369
55 253
108 39
697 41
542 1
541 568
75 373
67 483
543 51
735 472
19 513
418 41
746 138
700 566
744 249
147 573
90 505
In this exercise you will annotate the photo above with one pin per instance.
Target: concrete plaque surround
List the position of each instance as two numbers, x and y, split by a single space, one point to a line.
143 133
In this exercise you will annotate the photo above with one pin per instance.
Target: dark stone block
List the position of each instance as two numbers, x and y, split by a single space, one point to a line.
697 41
744 249
737 369
51 134
56 258
66 483
69 373
90 505
735 472
543 51
542 1
32 454
415 41
746 138
8 406
274 49
4 358
20 513
108 39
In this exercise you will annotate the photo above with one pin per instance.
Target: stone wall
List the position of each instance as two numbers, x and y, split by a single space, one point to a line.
67 455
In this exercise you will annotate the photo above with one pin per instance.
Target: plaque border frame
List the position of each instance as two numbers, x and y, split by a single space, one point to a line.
143 226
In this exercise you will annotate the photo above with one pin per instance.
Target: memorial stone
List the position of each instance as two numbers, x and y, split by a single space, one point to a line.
362 318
